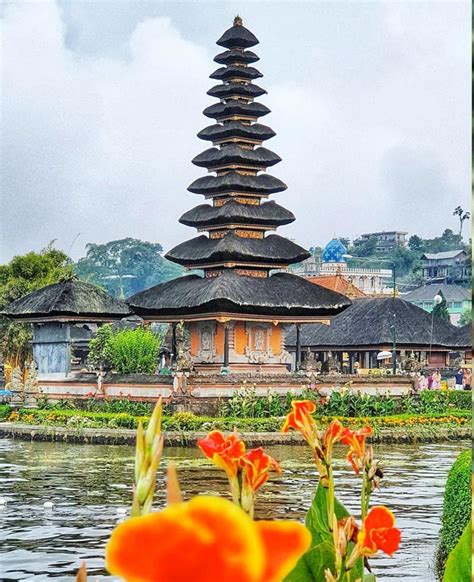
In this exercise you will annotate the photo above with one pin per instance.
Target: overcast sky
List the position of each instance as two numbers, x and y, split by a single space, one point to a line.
102 101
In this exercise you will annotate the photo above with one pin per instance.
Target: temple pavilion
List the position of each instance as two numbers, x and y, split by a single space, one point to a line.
236 307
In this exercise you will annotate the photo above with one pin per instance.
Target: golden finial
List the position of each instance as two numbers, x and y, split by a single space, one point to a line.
237 21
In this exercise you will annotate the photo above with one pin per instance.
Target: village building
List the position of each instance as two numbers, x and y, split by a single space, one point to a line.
458 299
374 325
65 316
236 309
447 267
387 241
333 261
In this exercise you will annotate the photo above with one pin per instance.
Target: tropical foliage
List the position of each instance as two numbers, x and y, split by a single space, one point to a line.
456 508
126 266
128 351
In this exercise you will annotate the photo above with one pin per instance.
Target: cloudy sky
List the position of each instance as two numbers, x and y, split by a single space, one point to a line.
102 102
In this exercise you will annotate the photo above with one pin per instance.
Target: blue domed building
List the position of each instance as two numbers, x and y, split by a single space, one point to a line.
333 263
334 252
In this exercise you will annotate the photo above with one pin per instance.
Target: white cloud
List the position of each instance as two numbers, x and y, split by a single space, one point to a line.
365 116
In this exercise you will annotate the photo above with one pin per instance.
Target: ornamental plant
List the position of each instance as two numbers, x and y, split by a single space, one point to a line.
209 538
340 548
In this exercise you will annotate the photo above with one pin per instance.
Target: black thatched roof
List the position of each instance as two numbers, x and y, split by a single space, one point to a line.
367 323
271 250
462 337
236 107
237 37
236 56
255 131
233 212
234 182
235 154
230 89
231 72
67 299
281 294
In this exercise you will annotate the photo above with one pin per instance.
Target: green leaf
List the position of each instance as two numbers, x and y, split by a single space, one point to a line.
458 565
321 556
317 516
312 565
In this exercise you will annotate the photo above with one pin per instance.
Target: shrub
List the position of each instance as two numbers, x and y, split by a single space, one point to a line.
135 351
100 354
4 411
456 508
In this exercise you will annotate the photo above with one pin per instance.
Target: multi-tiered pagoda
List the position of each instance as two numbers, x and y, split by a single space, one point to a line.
236 310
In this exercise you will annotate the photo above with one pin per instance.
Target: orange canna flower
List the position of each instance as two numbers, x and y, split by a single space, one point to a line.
356 441
225 452
256 466
379 533
207 538
332 434
300 419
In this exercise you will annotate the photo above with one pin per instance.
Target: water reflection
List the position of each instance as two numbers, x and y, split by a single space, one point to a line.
87 483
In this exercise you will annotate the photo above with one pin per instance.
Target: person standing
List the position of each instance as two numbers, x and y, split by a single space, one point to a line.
467 379
436 380
459 377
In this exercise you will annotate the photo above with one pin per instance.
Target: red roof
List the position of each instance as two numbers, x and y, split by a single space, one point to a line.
339 284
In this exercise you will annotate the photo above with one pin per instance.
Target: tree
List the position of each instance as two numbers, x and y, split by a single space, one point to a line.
415 243
459 212
466 317
366 249
441 309
27 273
126 266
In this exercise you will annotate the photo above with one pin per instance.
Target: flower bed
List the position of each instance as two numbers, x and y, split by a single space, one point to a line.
186 421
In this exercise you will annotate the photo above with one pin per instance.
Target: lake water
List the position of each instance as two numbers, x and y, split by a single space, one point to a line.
87 483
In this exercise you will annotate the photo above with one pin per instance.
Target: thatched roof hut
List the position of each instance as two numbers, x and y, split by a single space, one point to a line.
67 301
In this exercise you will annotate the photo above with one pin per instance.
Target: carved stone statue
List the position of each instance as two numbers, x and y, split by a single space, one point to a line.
259 340
331 365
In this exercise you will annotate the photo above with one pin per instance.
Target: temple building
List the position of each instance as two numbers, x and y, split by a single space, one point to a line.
334 261
376 324
236 308
65 316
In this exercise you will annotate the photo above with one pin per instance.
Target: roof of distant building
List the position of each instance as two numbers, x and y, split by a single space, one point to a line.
443 255
368 322
339 284
450 292
334 252
384 232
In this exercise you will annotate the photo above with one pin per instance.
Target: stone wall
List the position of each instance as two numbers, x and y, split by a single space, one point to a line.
212 387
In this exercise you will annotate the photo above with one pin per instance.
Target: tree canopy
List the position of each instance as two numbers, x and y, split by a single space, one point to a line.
126 266
27 273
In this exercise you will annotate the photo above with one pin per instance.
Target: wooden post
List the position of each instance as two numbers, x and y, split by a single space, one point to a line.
226 345
298 346
173 344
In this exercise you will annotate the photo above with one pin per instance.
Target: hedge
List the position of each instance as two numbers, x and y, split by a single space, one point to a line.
456 508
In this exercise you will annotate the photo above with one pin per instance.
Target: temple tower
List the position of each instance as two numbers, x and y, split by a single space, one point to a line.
236 309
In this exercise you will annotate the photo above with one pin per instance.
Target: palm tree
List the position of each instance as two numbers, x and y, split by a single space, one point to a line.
458 211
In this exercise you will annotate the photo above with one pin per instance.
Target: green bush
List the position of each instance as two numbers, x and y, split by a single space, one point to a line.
100 353
135 351
456 508
4 411
129 351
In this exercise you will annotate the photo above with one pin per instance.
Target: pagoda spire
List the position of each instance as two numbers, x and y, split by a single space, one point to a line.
242 291
238 219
